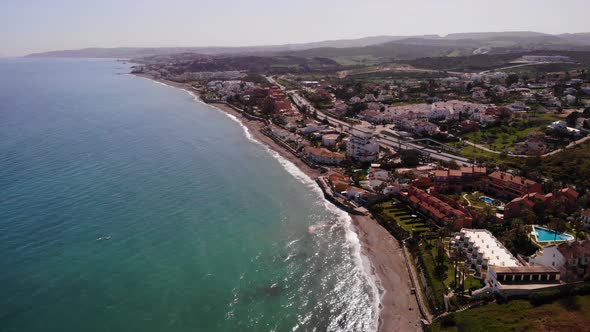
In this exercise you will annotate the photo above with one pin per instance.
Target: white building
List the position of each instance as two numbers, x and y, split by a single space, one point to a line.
482 249
572 259
369 98
380 174
439 114
310 129
521 280
558 125
548 256
324 156
426 128
501 271
355 100
330 140
518 106
375 117
362 147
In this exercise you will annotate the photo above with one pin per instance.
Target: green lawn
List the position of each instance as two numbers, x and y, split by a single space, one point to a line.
472 152
519 315
475 200
473 282
504 137
435 285
403 217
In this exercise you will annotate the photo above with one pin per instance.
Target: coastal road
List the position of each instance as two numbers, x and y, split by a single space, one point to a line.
400 144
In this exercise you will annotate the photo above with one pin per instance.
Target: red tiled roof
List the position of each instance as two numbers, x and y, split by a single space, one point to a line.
455 172
323 152
507 177
570 192
575 249
441 173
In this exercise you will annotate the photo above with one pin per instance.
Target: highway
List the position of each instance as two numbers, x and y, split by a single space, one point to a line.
366 128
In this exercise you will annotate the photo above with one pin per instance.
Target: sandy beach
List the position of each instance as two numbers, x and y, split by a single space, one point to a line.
399 309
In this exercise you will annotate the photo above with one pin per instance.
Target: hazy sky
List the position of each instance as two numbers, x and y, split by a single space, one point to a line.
40 25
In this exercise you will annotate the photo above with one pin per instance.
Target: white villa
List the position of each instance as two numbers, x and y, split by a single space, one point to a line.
324 156
362 147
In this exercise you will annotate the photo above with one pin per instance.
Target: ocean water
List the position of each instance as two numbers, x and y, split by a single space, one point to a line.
126 205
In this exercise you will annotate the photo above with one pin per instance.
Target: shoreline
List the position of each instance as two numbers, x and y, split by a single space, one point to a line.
398 309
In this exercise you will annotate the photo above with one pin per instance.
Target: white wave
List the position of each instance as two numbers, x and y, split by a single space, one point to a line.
292 243
361 260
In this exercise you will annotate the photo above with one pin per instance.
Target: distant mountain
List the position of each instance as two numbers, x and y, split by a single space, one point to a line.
455 45
360 42
137 52
376 48
489 35
579 38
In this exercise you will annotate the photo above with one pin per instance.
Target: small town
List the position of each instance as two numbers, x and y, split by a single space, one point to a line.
445 161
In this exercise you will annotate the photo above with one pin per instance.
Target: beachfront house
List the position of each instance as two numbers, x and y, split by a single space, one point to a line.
324 156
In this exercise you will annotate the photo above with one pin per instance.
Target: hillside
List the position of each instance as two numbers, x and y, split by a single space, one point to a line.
380 47
482 62
136 52
570 314
190 62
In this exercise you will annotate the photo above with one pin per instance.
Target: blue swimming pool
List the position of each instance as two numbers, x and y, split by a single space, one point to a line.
487 199
546 235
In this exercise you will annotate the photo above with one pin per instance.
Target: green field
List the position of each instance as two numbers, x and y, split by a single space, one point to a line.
503 138
478 154
569 314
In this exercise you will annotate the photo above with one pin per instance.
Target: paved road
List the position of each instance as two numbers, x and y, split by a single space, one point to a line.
367 128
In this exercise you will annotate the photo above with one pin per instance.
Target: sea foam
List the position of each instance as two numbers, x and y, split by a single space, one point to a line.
361 261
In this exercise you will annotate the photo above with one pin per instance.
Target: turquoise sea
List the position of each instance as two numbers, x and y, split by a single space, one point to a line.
126 205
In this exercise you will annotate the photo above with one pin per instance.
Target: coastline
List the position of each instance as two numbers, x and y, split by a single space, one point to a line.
398 309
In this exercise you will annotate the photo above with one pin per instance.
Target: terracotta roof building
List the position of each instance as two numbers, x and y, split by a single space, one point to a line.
440 211
511 186
563 200
463 179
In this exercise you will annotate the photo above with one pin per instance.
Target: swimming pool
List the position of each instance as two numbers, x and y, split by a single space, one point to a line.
487 200
547 235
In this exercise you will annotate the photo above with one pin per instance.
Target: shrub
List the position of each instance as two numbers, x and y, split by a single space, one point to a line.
543 297
448 321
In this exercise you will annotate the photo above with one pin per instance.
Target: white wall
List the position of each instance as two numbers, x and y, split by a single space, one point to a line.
549 256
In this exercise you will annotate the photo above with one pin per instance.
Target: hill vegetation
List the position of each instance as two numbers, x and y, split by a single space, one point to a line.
382 47
569 314
482 62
